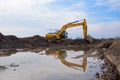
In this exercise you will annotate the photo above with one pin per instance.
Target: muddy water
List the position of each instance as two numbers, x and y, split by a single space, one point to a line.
50 65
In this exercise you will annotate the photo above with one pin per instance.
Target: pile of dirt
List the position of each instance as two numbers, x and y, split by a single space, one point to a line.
34 41
8 42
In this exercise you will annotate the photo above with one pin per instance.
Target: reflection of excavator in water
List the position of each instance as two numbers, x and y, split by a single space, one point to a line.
62 54
61 34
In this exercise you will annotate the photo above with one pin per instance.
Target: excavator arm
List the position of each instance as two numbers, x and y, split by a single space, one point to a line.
74 24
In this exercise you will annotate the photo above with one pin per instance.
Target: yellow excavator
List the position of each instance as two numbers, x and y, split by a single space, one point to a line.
62 34
62 54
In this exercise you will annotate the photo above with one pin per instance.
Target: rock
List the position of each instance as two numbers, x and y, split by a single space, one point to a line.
13 65
3 68
90 39
97 75
105 45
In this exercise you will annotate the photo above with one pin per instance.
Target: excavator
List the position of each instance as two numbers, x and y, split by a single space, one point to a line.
62 54
62 34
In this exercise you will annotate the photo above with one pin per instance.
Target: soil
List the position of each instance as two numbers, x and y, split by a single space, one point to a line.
13 42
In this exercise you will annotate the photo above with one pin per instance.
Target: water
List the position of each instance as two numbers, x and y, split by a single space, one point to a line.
50 65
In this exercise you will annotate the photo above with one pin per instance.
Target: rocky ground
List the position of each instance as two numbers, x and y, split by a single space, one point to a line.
11 44
110 49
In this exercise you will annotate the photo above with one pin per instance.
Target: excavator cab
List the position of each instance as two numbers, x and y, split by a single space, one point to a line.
64 35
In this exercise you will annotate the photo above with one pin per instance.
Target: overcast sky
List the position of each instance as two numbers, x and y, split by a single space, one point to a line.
37 17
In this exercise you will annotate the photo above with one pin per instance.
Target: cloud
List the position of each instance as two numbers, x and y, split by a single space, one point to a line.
38 16
35 9
21 31
112 4
39 26
98 30
23 17
100 2
25 7
79 4
109 29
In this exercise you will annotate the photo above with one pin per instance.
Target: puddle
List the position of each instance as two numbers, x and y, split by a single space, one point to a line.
50 65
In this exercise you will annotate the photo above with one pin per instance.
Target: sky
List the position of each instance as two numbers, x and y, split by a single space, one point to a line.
25 18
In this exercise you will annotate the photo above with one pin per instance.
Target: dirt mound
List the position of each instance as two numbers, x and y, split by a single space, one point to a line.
35 38
9 41
2 38
34 41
